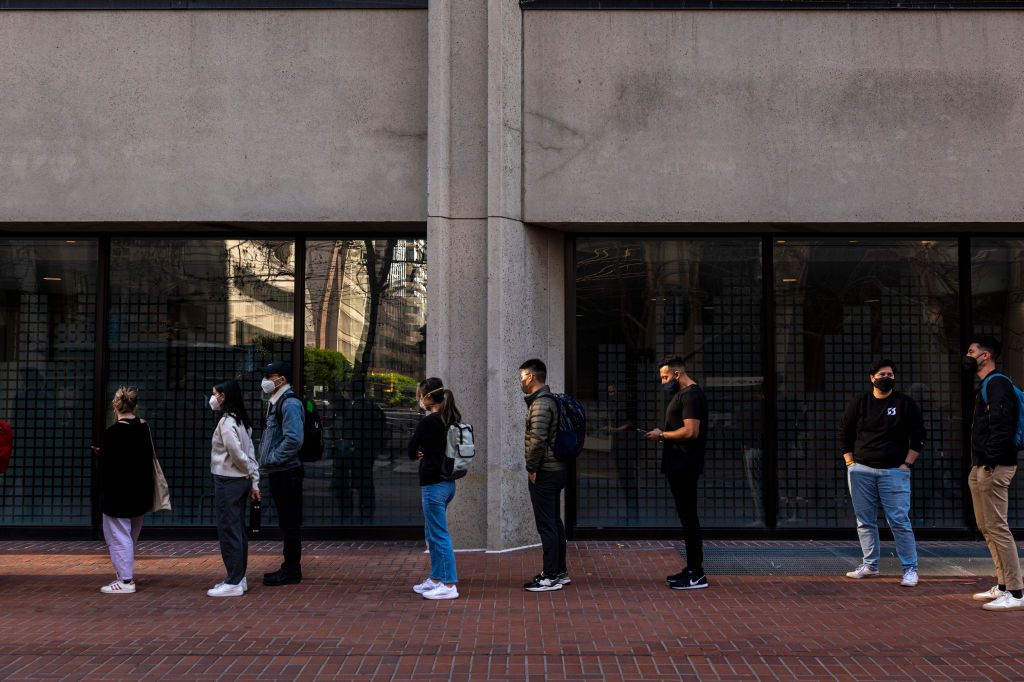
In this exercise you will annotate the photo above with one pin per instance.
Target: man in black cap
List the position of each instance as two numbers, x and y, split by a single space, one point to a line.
279 458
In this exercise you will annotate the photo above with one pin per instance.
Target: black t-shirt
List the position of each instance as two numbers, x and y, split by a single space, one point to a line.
680 456
879 432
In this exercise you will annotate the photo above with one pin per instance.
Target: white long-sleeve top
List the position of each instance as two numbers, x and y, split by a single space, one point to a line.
232 453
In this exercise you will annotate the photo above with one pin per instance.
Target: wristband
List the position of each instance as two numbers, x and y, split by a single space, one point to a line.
661 436
909 465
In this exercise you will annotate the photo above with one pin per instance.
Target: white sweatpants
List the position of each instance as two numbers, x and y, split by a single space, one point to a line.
121 536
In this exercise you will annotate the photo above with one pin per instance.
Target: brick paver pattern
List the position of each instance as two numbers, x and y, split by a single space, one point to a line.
355 617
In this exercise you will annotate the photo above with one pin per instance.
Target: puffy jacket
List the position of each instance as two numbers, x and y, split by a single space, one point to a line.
541 422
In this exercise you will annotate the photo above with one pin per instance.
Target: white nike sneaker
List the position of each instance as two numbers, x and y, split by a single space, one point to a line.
442 591
225 590
863 571
425 586
910 578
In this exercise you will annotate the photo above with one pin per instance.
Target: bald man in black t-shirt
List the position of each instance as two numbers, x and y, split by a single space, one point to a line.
683 439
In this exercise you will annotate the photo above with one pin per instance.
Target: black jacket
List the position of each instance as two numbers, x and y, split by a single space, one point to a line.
994 425
126 469
430 438
879 432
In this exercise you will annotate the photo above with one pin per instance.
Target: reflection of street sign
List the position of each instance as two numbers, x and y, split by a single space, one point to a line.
732 382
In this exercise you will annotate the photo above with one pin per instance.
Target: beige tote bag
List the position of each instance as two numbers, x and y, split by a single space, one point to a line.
161 493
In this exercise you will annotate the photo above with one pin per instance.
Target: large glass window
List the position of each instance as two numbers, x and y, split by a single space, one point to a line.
997 308
638 300
840 304
47 347
185 314
365 331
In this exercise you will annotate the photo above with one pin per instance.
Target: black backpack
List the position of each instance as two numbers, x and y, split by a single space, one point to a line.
312 449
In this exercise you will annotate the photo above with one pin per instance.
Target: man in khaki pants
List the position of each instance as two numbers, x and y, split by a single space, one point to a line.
994 454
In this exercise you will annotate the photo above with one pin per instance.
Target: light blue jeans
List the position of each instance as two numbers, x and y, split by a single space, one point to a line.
435 526
889 489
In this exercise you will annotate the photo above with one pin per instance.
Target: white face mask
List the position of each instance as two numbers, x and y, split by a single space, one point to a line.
422 406
214 403
268 385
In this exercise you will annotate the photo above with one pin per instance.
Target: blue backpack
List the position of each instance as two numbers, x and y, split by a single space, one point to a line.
572 428
1018 437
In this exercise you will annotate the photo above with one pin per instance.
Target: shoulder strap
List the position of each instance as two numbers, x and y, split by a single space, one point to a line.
984 384
280 403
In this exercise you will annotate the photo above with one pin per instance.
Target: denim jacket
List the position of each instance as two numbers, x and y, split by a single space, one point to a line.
280 444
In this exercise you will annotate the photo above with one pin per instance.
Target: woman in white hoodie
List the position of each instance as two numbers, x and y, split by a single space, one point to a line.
236 477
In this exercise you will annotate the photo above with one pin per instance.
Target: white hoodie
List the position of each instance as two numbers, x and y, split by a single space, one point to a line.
232 453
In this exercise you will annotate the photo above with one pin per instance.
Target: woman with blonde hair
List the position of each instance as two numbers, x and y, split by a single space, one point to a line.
126 486
428 445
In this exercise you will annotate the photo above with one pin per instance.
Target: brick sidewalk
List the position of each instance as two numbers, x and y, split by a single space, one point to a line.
355 617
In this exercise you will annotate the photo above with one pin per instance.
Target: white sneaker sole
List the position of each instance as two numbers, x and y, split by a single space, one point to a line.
862 577
552 588
991 607
690 587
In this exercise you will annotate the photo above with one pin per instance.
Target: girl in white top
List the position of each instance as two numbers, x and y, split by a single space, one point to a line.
236 477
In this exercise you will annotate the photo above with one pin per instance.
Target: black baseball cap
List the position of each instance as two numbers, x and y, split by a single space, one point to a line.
278 367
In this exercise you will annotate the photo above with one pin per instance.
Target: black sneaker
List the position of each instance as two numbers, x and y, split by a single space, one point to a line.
563 578
678 576
278 578
542 583
692 581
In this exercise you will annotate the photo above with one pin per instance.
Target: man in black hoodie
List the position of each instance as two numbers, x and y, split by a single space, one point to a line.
994 456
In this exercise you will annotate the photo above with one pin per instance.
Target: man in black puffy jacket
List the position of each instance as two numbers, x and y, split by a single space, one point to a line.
994 456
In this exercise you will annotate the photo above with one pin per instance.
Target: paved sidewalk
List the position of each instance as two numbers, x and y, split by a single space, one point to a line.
355 617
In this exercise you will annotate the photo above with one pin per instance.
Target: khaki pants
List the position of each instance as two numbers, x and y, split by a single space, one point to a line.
990 495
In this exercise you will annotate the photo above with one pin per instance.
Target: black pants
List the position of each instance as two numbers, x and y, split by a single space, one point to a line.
286 489
229 496
545 496
684 491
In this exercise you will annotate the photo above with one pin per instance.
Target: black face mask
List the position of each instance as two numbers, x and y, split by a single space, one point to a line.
884 384
969 364
671 387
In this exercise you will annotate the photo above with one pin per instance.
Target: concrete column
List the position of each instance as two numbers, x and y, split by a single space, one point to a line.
457 235
497 297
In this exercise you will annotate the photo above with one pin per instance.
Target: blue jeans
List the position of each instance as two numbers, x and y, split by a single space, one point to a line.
435 526
889 489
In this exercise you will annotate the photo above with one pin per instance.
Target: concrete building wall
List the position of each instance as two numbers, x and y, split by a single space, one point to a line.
773 116
213 116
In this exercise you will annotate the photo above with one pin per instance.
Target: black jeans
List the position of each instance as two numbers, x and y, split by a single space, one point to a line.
683 485
229 496
545 496
286 489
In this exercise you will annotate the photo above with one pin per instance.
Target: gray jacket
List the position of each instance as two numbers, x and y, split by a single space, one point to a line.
541 423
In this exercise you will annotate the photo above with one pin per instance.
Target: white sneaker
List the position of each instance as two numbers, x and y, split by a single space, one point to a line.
118 587
910 578
244 584
863 571
1007 602
426 586
989 595
225 590
442 591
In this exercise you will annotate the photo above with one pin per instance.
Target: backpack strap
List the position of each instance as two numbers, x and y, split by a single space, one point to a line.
984 384
280 404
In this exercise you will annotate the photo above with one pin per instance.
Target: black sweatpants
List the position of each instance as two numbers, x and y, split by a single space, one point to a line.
229 496
286 489
684 491
545 496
